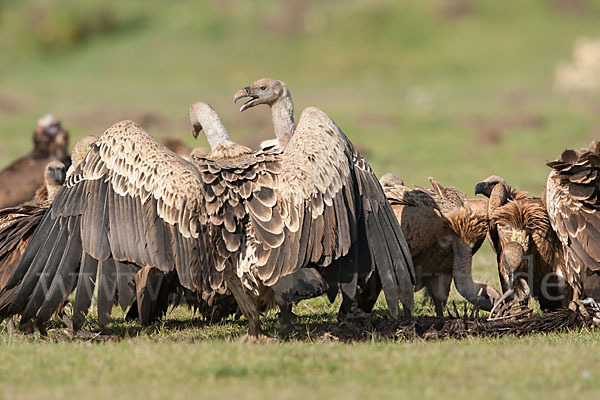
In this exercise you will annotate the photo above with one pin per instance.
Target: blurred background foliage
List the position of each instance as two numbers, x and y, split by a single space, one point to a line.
456 89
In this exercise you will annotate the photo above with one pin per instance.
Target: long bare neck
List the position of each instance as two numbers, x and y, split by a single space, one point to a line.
283 119
213 128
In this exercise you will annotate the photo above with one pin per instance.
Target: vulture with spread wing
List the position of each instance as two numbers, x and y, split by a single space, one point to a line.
377 225
235 219
443 230
548 247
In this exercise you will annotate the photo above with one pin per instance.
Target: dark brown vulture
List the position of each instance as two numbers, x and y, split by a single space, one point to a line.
17 225
236 219
275 94
443 232
548 247
20 180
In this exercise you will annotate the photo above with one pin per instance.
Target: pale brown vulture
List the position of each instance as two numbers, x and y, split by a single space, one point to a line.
530 256
443 230
572 197
548 247
275 94
236 218
20 180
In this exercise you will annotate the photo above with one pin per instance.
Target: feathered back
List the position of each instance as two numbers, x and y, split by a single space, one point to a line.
573 202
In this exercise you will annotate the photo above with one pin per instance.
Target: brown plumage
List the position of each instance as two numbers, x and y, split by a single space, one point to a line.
443 233
533 258
572 197
20 180
275 94
17 225
236 216
177 146
530 256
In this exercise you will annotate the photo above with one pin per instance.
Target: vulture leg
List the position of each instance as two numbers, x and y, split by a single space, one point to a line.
10 326
438 287
247 301
286 314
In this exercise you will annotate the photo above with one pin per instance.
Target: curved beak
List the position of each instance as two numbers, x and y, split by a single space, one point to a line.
482 188
197 128
244 93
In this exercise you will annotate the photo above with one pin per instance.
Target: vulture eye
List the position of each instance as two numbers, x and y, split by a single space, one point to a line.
263 88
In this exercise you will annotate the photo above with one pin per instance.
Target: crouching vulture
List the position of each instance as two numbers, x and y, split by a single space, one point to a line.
443 230
236 218
548 248
20 180
275 94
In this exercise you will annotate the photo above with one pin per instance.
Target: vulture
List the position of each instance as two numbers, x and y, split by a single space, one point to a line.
443 230
548 248
20 180
572 197
303 284
236 219
275 94
17 225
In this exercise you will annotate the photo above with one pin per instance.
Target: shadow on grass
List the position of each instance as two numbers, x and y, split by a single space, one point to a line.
323 326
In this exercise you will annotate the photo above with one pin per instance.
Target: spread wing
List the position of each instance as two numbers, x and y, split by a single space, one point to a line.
316 203
573 203
130 202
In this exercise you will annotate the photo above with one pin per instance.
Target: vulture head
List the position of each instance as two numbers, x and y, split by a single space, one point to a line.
54 177
49 138
486 186
204 117
390 180
263 91
81 148
54 173
512 258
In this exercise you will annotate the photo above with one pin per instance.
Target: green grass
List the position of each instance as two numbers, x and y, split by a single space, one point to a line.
407 83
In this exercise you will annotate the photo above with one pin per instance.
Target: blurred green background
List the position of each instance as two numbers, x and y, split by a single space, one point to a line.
454 89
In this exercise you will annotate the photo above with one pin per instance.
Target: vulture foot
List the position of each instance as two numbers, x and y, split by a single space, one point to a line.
261 338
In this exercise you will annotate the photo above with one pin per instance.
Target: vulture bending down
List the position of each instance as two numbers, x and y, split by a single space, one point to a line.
549 247
17 225
275 94
20 180
443 230
234 219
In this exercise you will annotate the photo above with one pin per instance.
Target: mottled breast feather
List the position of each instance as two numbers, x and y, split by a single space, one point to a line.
573 202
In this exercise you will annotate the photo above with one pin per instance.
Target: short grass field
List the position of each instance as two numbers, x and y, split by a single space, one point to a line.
454 89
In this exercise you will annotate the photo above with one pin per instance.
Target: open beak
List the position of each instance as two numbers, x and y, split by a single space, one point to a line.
243 93
197 128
